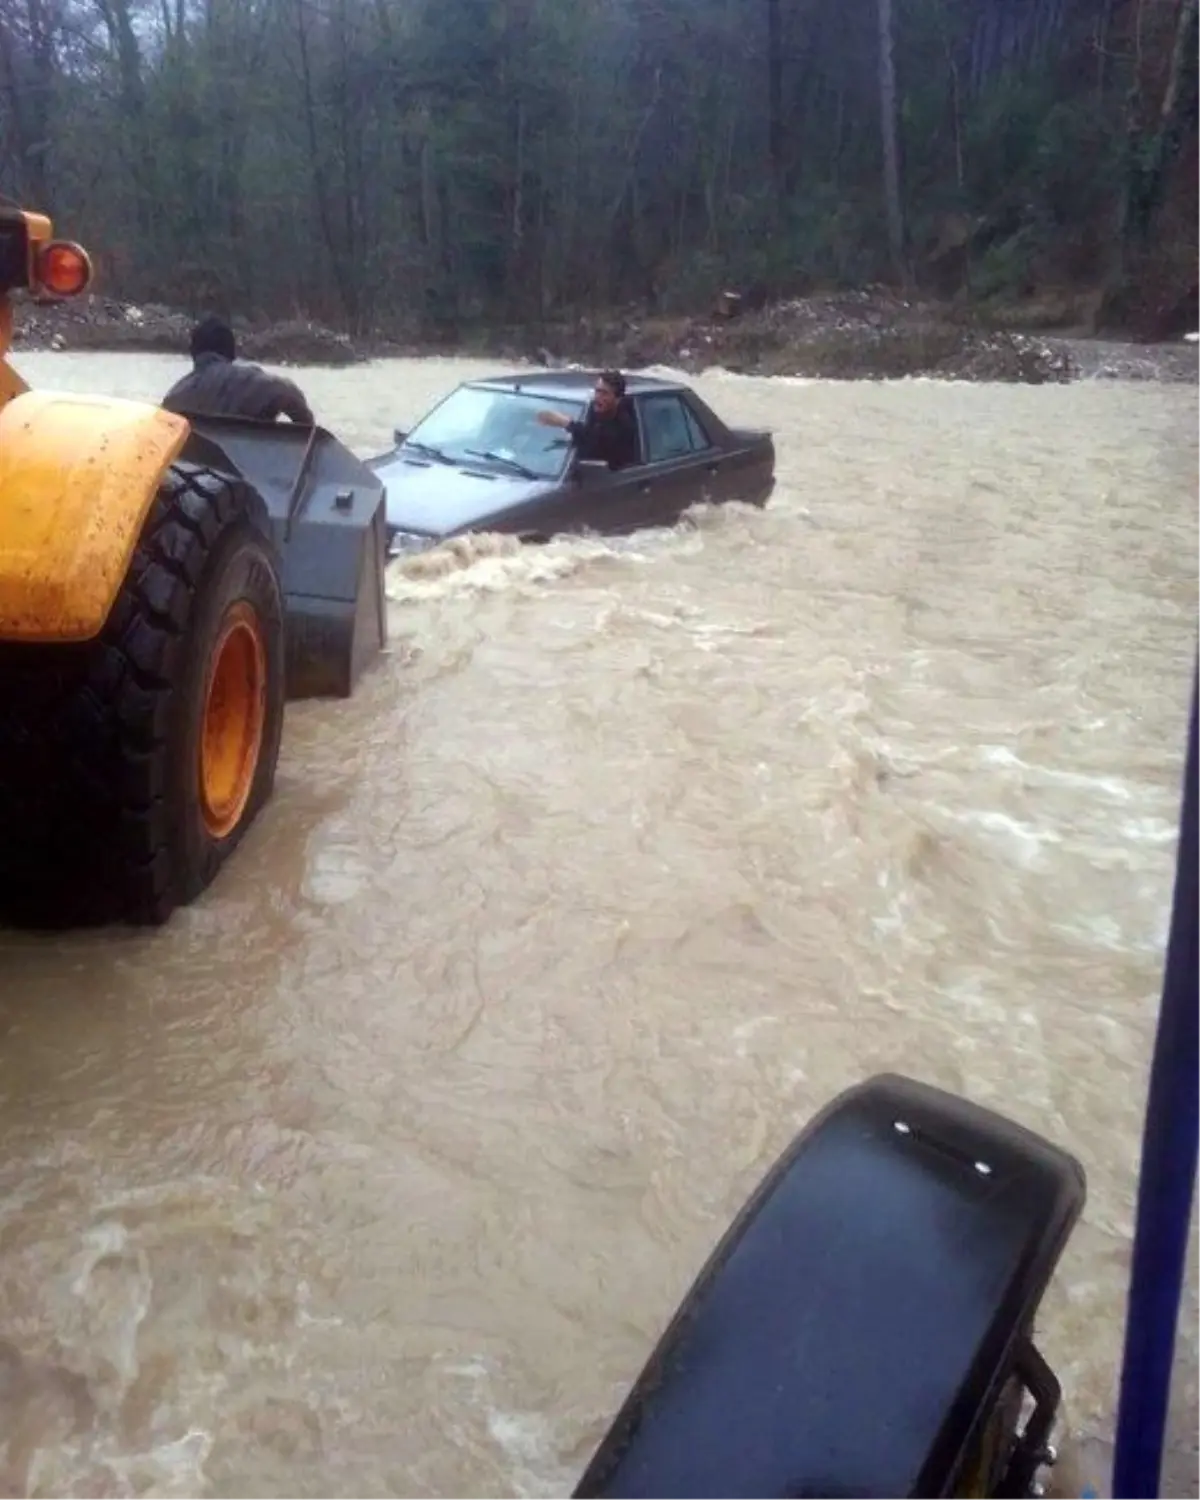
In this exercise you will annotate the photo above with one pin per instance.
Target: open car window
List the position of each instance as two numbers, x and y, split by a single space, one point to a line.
475 420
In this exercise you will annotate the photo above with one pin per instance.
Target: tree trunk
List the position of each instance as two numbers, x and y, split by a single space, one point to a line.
775 100
1152 152
889 125
1148 278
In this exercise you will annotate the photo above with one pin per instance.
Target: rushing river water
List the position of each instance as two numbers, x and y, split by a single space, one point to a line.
378 1170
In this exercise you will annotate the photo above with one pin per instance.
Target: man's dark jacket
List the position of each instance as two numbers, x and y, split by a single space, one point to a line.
611 440
218 387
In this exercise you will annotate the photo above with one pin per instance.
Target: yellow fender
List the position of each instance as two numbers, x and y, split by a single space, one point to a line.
12 383
78 475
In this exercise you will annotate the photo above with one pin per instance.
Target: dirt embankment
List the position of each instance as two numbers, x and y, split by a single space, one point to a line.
871 334
102 324
844 337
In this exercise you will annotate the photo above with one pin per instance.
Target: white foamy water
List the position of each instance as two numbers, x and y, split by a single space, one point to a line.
381 1168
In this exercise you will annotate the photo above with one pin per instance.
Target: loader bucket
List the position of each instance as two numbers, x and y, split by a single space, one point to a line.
327 513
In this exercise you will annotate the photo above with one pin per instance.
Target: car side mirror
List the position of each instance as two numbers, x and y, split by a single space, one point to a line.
398 435
588 470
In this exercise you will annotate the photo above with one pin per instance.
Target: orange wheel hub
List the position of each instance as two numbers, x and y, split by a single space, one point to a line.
234 713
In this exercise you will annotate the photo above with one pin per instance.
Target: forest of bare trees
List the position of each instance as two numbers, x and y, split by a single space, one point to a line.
373 161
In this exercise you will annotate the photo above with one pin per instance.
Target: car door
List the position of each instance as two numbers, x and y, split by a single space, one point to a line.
727 470
612 502
682 465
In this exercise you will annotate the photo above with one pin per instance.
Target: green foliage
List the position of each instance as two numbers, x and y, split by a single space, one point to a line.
384 162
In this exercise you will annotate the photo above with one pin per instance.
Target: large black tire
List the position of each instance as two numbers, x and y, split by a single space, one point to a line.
101 816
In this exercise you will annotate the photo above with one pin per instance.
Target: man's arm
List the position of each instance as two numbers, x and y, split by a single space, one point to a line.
573 428
292 403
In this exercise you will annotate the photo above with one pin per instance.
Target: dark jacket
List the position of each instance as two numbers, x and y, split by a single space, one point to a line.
218 387
611 440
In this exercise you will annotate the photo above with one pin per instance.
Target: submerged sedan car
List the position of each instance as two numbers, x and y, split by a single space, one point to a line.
480 461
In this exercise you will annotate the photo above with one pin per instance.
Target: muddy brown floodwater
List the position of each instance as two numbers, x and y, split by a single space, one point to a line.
378 1171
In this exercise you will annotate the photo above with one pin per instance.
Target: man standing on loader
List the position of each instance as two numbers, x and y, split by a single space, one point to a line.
221 386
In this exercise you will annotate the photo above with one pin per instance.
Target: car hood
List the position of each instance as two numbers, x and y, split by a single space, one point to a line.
436 499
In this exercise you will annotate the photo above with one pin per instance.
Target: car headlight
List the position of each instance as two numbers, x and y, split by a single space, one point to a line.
407 543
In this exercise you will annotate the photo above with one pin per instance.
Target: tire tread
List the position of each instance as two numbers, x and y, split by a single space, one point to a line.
83 820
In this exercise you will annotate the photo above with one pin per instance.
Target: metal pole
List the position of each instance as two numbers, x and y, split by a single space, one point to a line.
1166 1184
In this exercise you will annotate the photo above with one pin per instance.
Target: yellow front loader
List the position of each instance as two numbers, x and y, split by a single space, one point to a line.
165 584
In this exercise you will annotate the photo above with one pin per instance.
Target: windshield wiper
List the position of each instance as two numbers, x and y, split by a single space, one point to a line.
428 450
502 458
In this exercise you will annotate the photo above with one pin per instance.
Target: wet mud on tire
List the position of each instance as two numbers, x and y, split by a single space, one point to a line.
100 815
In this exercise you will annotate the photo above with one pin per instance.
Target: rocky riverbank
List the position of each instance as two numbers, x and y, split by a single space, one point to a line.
103 325
871 334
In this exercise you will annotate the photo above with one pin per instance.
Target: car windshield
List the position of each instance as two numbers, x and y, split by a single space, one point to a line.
500 428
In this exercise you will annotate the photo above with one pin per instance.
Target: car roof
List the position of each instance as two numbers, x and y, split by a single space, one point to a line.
569 385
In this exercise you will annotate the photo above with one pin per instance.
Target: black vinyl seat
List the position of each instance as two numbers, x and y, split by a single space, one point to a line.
862 1314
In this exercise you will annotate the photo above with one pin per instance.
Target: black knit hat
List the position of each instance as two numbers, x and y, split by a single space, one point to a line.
212 336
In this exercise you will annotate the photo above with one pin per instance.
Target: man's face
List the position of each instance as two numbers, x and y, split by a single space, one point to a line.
604 400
